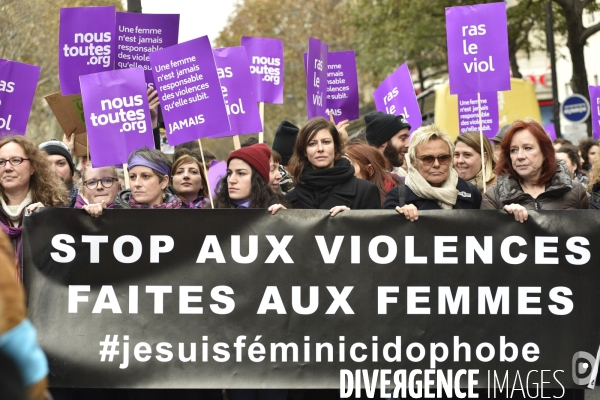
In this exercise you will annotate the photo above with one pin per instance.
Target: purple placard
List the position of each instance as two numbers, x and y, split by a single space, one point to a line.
477 39
595 106
266 66
18 82
238 91
117 116
468 113
86 44
190 94
551 131
342 86
316 79
138 35
396 95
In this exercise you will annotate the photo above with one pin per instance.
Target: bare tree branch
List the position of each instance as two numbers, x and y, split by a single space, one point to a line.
589 32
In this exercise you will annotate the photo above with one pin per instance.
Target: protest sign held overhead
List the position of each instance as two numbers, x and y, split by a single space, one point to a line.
190 93
396 95
595 105
238 91
468 113
342 86
301 293
86 44
138 35
68 111
117 116
316 79
18 82
266 66
477 39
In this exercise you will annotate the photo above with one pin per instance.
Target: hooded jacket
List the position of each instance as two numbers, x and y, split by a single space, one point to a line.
560 193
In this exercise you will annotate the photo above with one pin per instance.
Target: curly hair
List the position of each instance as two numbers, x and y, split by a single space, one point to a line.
45 185
585 146
261 195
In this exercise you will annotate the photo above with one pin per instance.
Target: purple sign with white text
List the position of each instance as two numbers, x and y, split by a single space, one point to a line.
86 44
190 93
266 66
595 106
316 79
396 95
551 131
138 35
477 38
468 113
117 116
18 82
238 91
342 86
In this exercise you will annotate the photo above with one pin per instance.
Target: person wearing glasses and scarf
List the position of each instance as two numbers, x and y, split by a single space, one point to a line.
26 182
431 183
98 185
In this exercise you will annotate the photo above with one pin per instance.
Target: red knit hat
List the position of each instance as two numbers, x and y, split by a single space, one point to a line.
257 155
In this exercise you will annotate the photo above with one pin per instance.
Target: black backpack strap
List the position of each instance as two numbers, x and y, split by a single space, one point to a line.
401 194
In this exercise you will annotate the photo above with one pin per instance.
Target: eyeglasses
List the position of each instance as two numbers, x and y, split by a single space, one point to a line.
93 183
443 159
14 161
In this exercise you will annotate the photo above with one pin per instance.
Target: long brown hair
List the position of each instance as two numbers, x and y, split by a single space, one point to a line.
504 165
367 156
189 159
299 160
45 185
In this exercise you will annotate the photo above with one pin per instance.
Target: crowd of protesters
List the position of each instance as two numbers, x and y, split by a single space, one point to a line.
314 166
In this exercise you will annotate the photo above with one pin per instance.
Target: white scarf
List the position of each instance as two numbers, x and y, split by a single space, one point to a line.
445 195
15 214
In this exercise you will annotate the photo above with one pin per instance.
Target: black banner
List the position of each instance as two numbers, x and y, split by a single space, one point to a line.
244 299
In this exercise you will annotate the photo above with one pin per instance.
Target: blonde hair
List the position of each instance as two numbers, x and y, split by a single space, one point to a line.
423 135
45 185
472 139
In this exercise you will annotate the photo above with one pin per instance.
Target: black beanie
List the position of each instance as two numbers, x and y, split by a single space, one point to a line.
56 147
285 139
380 127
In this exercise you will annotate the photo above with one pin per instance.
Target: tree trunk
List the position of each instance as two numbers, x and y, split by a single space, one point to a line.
514 67
579 81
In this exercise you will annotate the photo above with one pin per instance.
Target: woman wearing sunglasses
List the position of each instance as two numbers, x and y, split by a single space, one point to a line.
431 183
98 185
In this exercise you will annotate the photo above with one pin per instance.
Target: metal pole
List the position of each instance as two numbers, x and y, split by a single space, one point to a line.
550 46
134 6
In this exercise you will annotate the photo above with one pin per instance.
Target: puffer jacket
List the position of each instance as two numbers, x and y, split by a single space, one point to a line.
560 193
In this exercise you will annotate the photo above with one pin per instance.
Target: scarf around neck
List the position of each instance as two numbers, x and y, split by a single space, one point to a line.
316 185
445 196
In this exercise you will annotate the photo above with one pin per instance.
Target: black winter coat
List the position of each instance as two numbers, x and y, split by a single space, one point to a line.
357 194
469 197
